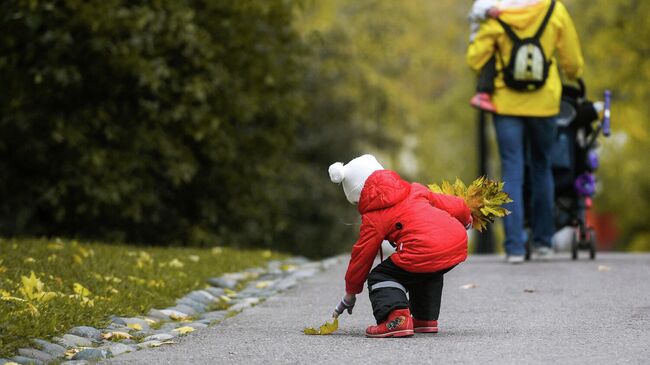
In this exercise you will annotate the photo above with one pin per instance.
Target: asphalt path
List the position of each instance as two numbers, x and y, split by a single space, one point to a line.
562 312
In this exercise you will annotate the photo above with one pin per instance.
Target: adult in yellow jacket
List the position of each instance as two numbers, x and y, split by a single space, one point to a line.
528 114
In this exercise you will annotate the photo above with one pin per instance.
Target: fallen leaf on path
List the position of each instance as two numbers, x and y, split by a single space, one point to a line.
325 329
116 335
469 286
603 268
262 284
184 330
177 317
158 344
70 353
135 326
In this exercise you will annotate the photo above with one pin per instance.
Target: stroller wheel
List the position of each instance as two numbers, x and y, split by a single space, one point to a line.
592 243
574 246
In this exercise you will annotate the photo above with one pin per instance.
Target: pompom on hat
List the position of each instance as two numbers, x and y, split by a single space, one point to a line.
353 175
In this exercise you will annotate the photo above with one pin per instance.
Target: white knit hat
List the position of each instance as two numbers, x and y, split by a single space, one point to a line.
354 174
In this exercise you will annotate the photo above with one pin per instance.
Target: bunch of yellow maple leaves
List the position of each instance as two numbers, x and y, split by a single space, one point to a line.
484 197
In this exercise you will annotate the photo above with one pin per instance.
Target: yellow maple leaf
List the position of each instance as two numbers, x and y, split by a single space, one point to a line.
176 317
262 284
32 286
116 335
225 298
46 296
135 326
288 267
158 344
184 330
176 263
325 329
80 290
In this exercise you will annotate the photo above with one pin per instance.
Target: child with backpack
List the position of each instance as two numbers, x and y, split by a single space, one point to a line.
428 231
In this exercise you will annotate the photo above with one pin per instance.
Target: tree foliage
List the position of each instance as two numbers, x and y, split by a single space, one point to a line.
160 121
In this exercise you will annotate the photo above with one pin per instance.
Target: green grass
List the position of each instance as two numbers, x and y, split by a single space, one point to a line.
83 283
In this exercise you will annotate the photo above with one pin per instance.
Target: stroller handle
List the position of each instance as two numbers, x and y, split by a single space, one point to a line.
607 131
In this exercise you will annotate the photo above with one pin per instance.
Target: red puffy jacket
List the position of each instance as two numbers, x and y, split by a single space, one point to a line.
428 229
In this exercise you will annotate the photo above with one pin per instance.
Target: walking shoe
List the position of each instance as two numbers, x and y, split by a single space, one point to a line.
515 259
425 326
543 253
483 101
398 324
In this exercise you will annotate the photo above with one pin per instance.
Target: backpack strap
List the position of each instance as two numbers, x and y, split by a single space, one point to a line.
545 21
513 36
509 31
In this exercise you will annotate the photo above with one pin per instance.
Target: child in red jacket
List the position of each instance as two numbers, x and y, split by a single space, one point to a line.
428 231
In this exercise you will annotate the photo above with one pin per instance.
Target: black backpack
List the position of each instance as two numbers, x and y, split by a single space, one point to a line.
528 67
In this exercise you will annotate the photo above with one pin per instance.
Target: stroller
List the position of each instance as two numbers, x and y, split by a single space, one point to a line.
574 161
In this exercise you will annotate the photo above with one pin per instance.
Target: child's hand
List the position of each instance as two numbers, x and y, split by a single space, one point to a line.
346 303
493 12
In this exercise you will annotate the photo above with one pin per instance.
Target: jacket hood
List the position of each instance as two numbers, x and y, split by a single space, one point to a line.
383 189
524 15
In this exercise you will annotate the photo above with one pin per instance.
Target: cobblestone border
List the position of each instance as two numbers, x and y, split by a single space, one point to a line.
225 296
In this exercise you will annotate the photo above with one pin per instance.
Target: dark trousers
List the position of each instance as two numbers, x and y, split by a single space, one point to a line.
424 291
486 77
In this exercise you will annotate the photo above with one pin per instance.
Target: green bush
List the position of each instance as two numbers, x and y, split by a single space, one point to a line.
161 122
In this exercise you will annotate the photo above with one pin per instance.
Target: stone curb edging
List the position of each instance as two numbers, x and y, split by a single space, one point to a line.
198 309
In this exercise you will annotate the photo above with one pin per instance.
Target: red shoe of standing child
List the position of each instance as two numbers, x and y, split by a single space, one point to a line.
398 324
425 326
483 101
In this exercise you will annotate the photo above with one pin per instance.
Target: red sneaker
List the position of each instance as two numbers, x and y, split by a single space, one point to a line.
483 101
425 326
398 324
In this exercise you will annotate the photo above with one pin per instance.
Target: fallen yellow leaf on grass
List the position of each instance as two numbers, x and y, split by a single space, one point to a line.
325 329
176 263
185 329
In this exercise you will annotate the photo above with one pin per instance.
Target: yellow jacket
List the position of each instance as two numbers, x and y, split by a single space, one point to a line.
560 35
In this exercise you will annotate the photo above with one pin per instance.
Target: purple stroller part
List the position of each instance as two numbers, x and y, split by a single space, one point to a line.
585 184
592 160
607 114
